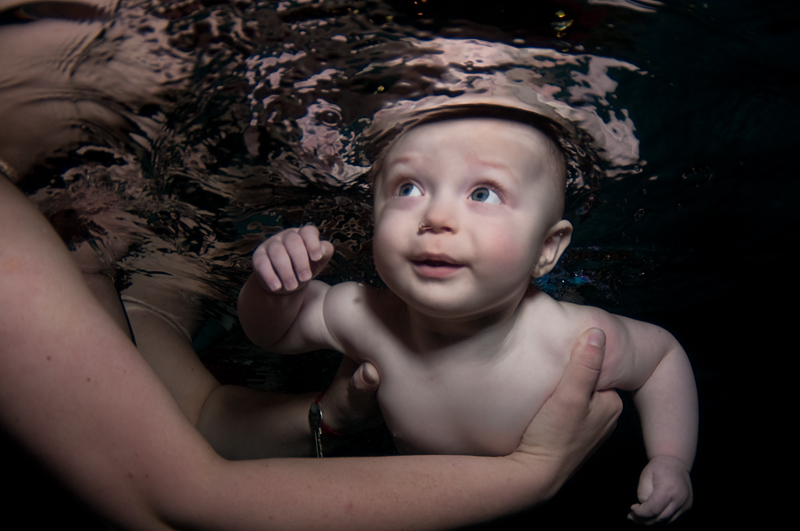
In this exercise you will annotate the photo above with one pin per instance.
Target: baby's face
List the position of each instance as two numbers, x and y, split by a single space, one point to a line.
465 211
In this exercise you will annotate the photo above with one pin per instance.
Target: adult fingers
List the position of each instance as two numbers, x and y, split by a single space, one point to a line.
580 377
350 404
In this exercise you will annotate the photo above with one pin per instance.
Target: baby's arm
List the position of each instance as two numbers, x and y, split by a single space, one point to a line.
649 361
667 404
280 306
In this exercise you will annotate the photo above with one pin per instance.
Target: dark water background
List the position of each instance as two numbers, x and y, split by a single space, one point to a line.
699 237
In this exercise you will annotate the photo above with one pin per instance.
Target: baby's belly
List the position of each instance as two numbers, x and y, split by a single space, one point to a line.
460 419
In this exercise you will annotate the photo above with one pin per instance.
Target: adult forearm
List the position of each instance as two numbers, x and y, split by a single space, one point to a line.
420 492
667 403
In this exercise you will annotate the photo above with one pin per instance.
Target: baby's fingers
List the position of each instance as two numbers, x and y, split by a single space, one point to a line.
274 267
263 267
289 258
319 251
655 510
310 236
665 492
275 261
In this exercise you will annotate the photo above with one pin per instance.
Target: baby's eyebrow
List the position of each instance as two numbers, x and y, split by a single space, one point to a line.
493 164
403 164
401 159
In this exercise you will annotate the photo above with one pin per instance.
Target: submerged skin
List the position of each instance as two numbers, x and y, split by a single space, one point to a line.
467 350
76 392
128 430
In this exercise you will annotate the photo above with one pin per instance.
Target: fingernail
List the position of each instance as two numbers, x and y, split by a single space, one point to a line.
369 374
597 338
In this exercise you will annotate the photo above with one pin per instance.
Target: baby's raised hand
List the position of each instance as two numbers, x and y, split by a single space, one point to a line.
665 491
290 259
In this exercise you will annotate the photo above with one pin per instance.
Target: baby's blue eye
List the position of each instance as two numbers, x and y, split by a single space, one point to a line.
485 195
408 190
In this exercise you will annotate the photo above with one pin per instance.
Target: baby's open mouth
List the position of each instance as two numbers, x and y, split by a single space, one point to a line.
435 263
436 268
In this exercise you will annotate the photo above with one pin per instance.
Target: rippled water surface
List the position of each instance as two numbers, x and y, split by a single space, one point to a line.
259 113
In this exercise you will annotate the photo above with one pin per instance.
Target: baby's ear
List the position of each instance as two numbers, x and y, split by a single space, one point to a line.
558 238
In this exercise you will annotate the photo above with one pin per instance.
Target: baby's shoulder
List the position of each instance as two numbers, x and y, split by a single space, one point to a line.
547 311
540 311
556 324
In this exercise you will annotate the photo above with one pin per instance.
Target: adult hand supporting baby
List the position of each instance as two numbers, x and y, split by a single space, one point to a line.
350 404
576 418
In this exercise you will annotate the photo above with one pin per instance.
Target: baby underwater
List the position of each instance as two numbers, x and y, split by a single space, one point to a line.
467 210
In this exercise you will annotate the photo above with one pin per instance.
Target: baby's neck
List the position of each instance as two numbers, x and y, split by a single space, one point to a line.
429 334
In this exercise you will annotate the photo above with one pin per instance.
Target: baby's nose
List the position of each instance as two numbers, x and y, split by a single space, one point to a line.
439 217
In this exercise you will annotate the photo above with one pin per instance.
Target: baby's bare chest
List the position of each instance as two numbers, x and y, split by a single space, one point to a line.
477 405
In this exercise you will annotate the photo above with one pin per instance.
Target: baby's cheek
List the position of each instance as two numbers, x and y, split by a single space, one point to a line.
380 255
386 254
507 252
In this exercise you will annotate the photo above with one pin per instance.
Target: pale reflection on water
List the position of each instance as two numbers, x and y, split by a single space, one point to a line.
201 130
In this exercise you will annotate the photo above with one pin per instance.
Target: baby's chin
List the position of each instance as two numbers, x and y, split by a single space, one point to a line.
460 311
453 300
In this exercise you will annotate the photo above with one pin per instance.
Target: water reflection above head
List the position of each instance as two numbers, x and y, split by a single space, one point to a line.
277 108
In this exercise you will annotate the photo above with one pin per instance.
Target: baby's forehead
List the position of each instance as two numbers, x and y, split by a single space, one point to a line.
473 129
480 136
